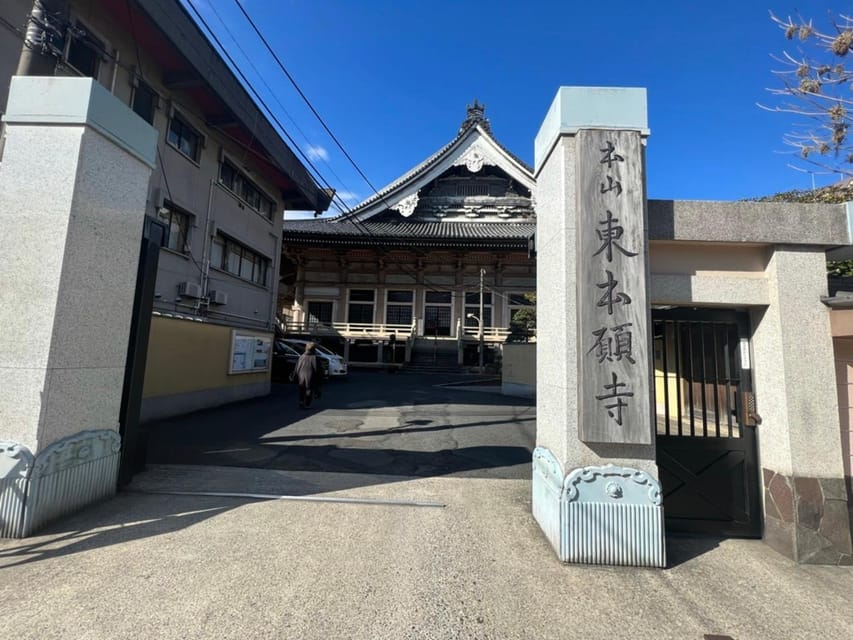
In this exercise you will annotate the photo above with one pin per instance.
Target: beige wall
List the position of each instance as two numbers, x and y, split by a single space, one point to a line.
185 356
709 259
844 381
519 363
841 321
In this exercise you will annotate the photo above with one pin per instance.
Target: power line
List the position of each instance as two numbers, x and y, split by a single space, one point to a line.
272 93
266 107
303 96
356 223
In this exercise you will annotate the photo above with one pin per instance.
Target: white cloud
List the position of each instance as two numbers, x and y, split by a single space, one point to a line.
316 152
349 196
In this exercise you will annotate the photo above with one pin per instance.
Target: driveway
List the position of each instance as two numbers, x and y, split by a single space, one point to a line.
370 552
371 422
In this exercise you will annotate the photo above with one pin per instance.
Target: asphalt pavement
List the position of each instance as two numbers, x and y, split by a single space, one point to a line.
371 422
449 552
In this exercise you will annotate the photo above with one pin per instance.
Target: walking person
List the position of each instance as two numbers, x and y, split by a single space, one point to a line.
308 375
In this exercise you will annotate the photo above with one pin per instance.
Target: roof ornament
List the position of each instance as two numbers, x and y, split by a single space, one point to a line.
476 115
406 206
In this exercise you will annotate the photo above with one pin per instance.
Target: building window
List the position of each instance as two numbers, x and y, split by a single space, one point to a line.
398 307
237 182
438 313
178 223
144 101
85 52
360 308
239 260
319 312
184 138
472 307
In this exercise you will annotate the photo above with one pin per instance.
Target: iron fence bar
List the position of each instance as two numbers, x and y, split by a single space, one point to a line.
655 325
690 398
714 328
677 333
727 363
704 381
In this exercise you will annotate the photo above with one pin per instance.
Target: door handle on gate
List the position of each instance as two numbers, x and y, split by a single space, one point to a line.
751 417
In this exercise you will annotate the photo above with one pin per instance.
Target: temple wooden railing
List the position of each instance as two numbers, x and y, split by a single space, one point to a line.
349 329
359 330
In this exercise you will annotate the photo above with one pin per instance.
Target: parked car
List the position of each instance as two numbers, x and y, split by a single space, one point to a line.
335 365
284 361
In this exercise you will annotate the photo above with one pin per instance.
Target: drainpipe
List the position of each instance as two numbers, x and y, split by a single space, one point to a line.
45 27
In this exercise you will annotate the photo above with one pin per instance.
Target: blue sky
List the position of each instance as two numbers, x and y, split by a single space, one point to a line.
392 80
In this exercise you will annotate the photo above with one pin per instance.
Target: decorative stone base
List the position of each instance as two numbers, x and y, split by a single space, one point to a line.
62 478
599 515
16 463
807 519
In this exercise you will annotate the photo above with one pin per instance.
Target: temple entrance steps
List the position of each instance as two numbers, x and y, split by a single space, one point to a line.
430 355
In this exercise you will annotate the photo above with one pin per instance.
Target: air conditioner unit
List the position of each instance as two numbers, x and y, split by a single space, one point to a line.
218 297
189 290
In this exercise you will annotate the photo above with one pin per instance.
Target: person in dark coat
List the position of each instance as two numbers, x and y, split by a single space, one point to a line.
308 375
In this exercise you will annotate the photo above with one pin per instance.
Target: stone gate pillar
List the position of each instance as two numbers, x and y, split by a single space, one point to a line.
596 493
73 186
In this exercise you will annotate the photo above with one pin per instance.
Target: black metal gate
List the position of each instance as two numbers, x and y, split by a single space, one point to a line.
706 444
133 438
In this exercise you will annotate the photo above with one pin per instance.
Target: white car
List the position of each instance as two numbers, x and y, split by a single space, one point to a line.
337 364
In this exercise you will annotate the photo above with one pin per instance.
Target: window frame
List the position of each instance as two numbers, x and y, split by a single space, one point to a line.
137 82
247 185
488 309
307 308
362 303
189 223
185 124
99 50
261 264
410 305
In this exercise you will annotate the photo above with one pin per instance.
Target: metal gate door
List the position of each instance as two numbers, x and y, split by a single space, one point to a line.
133 439
706 445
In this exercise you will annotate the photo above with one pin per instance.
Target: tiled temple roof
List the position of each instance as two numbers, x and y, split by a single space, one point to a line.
491 234
475 119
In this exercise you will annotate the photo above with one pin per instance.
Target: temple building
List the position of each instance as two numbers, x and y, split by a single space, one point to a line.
408 264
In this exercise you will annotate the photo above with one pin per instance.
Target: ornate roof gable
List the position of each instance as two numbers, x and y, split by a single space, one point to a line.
473 176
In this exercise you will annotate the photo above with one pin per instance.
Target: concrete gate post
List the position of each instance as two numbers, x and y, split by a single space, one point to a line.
805 498
596 493
73 186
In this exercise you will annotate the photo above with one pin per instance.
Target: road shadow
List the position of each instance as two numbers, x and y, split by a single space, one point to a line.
122 518
335 436
681 547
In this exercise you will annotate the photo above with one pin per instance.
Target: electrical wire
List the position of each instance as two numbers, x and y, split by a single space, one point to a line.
357 223
272 93
304 97
159 155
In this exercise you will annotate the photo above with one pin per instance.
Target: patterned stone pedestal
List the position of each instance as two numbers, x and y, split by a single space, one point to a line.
599 515
807 519
63 477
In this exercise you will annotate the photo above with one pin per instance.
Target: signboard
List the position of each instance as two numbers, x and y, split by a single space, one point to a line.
612 290
249 353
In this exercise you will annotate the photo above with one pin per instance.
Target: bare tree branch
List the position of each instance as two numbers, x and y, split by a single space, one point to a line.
816 88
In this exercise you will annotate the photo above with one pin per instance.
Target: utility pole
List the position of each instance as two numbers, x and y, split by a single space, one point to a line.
482 317
43 38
